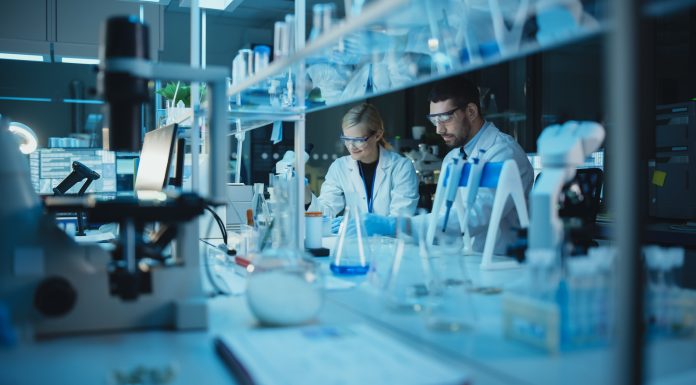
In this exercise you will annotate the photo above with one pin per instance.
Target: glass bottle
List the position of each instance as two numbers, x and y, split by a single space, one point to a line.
284 284
259 207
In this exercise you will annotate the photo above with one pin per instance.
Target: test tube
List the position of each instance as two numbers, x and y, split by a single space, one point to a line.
280 40
242 66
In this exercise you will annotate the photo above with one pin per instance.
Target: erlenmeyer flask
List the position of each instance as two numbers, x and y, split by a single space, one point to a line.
407 285
350 257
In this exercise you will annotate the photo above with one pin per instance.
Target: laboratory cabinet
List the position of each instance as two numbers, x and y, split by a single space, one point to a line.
71 27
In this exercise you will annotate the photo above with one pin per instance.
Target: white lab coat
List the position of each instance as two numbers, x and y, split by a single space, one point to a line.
395 190
499 147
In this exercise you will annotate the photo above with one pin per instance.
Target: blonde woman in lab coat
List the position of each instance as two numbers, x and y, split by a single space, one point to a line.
380 181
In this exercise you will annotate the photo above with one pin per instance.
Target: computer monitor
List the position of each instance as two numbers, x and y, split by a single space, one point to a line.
155 159
49 166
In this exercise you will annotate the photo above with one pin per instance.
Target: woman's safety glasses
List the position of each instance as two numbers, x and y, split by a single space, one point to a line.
355 141
442 117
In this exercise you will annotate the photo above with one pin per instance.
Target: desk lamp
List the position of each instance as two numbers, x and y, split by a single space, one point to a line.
29 142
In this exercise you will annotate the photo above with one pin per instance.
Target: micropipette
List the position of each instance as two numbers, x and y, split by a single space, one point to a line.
473 184
456 168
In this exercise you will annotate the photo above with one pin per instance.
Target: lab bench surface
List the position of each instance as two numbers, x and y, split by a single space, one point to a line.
92 359
482 353
485 347
663 233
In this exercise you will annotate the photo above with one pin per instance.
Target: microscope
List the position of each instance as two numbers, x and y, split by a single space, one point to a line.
52 285
562 148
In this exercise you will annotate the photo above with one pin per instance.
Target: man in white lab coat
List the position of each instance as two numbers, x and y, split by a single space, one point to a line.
456 115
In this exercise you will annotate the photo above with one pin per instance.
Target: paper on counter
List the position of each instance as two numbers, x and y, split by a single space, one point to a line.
332 355
333 283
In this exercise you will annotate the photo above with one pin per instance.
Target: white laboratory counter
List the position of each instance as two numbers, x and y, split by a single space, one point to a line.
482 354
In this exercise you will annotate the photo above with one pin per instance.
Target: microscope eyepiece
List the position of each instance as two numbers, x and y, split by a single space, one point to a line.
123 37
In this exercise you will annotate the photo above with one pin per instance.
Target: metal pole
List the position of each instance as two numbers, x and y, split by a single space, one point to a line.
300 124
195 63
623 151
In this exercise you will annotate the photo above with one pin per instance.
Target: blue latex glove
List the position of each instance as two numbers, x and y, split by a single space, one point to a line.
376 225
336 224
379 225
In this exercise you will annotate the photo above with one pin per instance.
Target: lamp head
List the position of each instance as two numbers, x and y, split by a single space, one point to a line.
28 141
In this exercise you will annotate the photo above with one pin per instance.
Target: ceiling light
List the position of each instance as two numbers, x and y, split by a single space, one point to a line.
79 60
19 56
208 4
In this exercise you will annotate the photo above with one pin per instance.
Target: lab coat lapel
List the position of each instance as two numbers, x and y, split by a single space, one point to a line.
358 185
381 172
487 138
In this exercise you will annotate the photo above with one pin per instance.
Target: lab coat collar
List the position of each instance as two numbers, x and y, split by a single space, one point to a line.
385 159
482 140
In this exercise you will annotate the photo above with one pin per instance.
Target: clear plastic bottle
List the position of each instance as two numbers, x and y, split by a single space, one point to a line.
262 214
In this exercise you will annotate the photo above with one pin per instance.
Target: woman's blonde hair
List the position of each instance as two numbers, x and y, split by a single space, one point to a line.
368 115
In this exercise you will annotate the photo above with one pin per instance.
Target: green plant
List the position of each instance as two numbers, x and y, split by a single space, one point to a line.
183 93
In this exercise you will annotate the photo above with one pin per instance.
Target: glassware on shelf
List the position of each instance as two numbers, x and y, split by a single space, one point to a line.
262 56
322 19
670 309
280 40
352 251
259 206
275 93
406 43
242 65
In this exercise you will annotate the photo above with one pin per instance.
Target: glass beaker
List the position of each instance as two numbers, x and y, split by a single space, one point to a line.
449 307
383 250
350 256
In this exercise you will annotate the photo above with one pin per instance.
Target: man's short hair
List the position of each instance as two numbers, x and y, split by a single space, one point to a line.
460 89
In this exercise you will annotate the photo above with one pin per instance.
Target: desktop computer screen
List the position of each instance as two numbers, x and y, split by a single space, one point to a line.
49 166
156 159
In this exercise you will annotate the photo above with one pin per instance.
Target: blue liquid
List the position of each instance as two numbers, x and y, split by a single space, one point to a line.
349 270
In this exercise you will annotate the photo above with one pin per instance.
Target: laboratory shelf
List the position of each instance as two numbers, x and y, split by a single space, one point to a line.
244 120
397 44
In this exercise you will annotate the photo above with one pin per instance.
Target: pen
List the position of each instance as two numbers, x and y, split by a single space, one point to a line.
239 372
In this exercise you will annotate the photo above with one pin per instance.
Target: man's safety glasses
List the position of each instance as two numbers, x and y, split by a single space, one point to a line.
442 117
355 141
